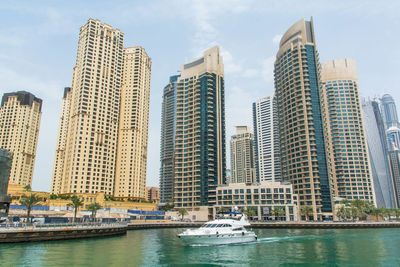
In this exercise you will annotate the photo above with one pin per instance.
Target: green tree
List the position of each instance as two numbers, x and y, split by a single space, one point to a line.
396 213
250 212
27 187
307 211
29 202
343 212
76 204
169 205
182 212
278 212
94 207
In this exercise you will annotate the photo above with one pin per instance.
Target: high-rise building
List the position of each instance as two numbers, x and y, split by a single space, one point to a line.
102 140
266 135
20 115
394 155
168 127
199 160
59 161
91 138
389 111
302 148
345 139
130 174
390 119
242 156
378 153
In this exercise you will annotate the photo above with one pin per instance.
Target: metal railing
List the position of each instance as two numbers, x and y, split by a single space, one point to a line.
32 226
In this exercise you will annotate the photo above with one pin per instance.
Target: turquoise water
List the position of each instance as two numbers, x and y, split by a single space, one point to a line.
276 247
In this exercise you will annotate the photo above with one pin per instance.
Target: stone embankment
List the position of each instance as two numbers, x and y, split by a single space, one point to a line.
60 232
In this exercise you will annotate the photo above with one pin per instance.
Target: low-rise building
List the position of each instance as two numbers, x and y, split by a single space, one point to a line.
265 197
152 193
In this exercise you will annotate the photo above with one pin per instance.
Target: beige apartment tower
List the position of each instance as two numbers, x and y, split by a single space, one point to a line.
345 137
242 156
302 148
88 160
130 175
20 115
59 161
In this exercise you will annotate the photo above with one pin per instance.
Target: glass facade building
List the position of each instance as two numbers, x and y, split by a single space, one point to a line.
168 127
199 160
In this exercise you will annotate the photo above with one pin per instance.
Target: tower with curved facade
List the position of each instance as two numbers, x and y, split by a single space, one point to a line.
302 146
345 138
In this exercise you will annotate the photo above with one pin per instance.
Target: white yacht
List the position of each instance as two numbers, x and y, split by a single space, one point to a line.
219 232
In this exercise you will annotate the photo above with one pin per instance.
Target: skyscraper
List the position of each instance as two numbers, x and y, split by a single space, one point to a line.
130 174
345 139
297 83
199 161
266 135
102 141
390 119
378 153
20 115
168 127
59 161
394 155
91 139
242 156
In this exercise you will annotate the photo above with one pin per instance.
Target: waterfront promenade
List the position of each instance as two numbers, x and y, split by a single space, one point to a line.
50 232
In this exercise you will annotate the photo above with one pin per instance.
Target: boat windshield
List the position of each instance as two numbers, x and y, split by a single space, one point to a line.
211 225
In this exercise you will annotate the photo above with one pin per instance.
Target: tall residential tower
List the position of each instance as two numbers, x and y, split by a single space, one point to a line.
297 83
345 138
168 127
130 174
242 156
266 135
199 160
20 115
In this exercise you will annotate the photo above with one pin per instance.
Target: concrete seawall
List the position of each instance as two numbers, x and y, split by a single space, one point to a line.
50 234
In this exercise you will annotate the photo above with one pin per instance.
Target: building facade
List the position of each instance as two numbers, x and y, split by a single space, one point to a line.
59 160
302 148
199 160
345 138
264 196
167 144
242 156
266 135
20 115
102 141
379 155
394 155
131 166
5 169
152 193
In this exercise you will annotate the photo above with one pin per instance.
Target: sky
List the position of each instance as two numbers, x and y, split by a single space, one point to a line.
38 44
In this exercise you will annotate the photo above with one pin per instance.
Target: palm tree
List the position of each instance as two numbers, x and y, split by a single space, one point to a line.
250 212
27 187
396 213
29 202
76 204
278 212
343 212
182 212
306 211
93 208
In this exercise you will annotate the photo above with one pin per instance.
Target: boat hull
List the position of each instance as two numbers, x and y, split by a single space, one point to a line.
220 239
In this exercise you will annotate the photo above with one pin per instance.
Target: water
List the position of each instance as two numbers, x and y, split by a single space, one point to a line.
276 247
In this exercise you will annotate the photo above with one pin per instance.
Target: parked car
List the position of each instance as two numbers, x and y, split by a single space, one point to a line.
186 220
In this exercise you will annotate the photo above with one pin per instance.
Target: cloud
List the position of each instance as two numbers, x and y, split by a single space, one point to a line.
230 64
276 39
251 73
267 71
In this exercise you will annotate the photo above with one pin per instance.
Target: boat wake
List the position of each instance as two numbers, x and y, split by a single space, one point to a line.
260 241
